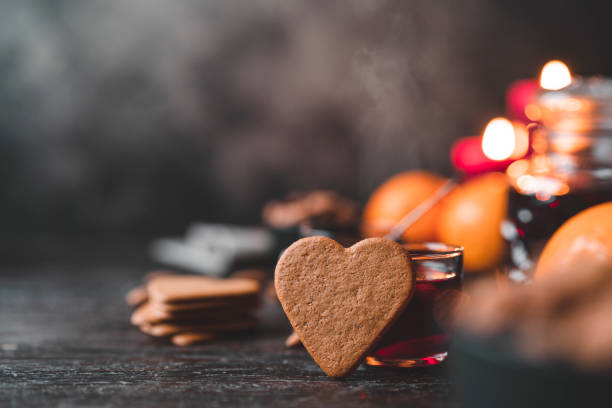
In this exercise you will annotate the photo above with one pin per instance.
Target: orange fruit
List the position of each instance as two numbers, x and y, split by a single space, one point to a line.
398 196
471 216
583 241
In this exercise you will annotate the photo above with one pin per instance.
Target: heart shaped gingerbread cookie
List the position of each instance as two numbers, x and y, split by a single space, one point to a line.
340 301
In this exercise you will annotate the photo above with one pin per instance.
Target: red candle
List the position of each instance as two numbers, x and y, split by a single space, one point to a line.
519 96
467 156
501 143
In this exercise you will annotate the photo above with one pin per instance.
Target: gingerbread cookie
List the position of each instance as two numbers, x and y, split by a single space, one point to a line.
187 339
319 209
187 288
340 301
190 308
137 296
168 329
149 313
293 340
243 302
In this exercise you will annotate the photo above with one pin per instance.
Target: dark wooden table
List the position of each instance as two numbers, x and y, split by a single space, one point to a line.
65 341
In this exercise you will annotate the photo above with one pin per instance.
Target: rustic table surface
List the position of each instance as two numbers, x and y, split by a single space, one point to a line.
65 341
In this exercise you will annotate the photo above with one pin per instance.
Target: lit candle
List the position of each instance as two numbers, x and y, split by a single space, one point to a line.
501 143
520 95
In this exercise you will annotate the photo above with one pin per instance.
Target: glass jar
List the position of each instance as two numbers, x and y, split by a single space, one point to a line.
422 334
569 170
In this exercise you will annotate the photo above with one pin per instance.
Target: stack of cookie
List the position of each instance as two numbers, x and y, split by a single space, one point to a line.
189 309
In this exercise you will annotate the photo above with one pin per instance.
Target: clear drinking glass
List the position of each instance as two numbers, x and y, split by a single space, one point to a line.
421 335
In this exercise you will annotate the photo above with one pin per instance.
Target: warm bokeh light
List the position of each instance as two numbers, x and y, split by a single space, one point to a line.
518 168
571 143
543 187
533 112
498 140
521 140
555 75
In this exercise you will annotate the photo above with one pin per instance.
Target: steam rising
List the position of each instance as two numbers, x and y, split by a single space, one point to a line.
147 114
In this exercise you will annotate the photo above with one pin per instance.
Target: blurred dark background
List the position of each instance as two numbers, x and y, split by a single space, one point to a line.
127 119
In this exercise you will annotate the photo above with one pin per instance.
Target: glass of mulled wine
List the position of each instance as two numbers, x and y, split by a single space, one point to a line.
421 335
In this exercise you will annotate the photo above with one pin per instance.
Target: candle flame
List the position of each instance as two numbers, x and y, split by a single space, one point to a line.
555 75
498 140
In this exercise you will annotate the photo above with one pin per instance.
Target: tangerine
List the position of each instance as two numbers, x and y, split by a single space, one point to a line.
398 196
471 216
585 240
